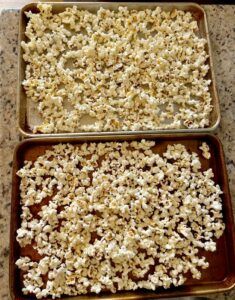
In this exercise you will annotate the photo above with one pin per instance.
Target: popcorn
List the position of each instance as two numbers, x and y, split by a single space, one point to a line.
114 209
115 70
205 150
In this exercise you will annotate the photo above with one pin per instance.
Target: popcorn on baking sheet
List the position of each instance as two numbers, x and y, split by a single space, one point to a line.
116 70
114 209
205 150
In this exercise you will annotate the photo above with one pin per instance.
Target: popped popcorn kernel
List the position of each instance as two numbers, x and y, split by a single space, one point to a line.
205 150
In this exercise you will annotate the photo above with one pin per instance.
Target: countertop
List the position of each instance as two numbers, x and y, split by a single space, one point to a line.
222 35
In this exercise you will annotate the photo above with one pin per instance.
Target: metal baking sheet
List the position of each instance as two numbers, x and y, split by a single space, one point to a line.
219 277
27 112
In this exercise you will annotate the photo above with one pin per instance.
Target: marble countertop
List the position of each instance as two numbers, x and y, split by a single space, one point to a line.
222 35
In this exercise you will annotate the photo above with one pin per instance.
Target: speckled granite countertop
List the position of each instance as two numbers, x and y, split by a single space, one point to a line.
222 34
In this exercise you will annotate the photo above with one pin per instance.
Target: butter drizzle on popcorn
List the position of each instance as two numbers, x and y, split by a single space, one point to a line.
116 70
120 217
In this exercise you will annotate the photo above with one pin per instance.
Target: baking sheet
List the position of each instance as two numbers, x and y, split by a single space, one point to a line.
219 277
27 112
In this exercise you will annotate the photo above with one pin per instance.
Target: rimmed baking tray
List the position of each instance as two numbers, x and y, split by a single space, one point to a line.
27 114
219 277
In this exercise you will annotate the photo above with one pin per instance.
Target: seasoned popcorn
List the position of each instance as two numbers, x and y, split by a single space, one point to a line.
116 70
118 216
205 150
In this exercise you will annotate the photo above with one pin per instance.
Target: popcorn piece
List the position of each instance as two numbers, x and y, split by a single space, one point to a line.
205 150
